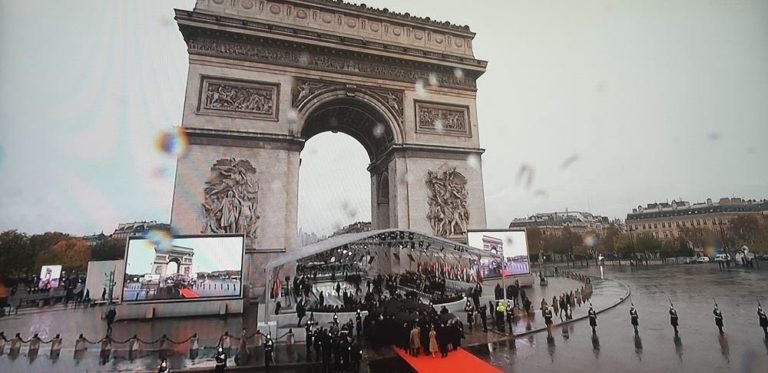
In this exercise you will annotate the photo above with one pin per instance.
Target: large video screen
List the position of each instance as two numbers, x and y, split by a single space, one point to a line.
184 268
49 277
511 244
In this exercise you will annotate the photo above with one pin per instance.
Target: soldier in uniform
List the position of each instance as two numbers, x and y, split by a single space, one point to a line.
592 319
633 315
718 318
763 320
673 317
470 309
221 360
547 321
308 332
269 346
359 323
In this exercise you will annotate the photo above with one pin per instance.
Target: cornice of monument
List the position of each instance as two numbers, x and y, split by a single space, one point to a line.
358 21
385 12
220 36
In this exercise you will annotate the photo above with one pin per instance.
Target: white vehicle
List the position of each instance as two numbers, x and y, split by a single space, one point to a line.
722 257
703 259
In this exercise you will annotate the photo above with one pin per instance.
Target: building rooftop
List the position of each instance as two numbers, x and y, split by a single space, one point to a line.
683 208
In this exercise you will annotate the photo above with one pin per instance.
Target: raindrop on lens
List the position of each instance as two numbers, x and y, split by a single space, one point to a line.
172 142
458 73
473 161
304 58
590 240
439 125
161 239
419 87
293 120
378 130
433 81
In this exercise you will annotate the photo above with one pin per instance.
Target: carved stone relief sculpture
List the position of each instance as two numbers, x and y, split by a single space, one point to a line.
391 98
442 119
447 212
231 199
238 98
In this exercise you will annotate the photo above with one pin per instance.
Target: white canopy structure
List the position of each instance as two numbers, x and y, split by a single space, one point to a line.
378 252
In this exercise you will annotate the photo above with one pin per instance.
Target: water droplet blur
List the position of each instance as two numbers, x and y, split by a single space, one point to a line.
439 125
293 121
161 239
419 87
433 81
161 172
378 130
713 136
525 175
458 73
540 193
569 161
473 161
172 142
590 240
405 178
304 58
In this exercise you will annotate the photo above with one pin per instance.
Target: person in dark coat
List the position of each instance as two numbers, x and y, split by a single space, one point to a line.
673 317
498 292
470 309
763 320
634 317
309 338
476 293
718 318
548 321
300 312
592 319
111 314
514 292
269 347
221 361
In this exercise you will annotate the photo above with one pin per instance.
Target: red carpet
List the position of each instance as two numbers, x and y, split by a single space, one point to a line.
188 293
457 361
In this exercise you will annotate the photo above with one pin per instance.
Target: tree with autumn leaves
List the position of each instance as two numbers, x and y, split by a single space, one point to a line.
22 255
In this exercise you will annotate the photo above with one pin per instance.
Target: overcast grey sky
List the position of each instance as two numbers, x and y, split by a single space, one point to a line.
610 103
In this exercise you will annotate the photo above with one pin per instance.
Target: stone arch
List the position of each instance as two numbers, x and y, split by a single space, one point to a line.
351 104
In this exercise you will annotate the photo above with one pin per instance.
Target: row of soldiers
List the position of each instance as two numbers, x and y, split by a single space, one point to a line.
673 319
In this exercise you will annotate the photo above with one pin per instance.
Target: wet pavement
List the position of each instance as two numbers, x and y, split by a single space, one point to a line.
573 348
615 348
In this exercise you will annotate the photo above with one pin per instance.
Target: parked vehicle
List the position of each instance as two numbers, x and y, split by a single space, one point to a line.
722 257
702 259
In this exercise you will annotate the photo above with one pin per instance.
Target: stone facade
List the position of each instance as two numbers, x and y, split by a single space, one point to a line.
265 76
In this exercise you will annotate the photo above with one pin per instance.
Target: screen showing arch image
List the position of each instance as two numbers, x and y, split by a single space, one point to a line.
183 268
511 244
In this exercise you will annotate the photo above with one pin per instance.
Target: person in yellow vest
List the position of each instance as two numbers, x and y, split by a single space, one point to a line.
501 310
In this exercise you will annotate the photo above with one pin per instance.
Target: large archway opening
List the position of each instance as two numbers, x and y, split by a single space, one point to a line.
337 185
334 187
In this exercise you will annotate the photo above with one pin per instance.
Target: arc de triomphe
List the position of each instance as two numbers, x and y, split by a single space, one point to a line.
267 75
